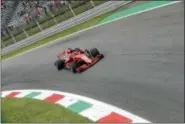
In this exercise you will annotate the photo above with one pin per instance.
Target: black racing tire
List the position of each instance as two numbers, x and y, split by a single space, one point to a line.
73 67
80 62
77 49
94 52
60 64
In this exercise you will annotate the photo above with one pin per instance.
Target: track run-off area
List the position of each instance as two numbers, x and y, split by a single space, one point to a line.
142 72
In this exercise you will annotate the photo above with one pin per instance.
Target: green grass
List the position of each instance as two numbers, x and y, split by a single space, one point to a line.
66 32
19 110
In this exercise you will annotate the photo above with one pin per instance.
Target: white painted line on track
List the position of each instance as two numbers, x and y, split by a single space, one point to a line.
83 30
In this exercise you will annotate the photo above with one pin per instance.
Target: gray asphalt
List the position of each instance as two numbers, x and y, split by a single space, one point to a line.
143 69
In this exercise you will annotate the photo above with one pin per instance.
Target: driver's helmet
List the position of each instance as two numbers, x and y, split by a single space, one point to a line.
69 50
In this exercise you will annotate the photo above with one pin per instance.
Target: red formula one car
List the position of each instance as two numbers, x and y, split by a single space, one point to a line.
77 60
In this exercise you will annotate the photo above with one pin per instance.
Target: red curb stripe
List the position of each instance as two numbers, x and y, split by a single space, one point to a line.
54 98
114 118
12 94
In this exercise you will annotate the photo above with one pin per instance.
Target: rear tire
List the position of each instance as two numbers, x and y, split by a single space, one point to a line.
73 67
60 64
94 52
77 49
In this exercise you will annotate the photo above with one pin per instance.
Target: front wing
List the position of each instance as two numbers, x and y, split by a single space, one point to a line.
85 66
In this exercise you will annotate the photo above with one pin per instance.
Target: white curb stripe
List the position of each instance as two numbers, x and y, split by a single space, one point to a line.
95 112
67 101
22 94
86 29
98 110
42 96
3 94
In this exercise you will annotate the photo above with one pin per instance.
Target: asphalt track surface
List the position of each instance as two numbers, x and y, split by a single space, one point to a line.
142 72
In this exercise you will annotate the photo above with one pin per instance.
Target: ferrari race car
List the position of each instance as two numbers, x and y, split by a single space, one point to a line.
77 60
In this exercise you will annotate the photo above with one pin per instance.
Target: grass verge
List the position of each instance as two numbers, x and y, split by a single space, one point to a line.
61 34
19 110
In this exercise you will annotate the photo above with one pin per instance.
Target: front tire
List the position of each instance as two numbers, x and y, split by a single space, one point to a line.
94 52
